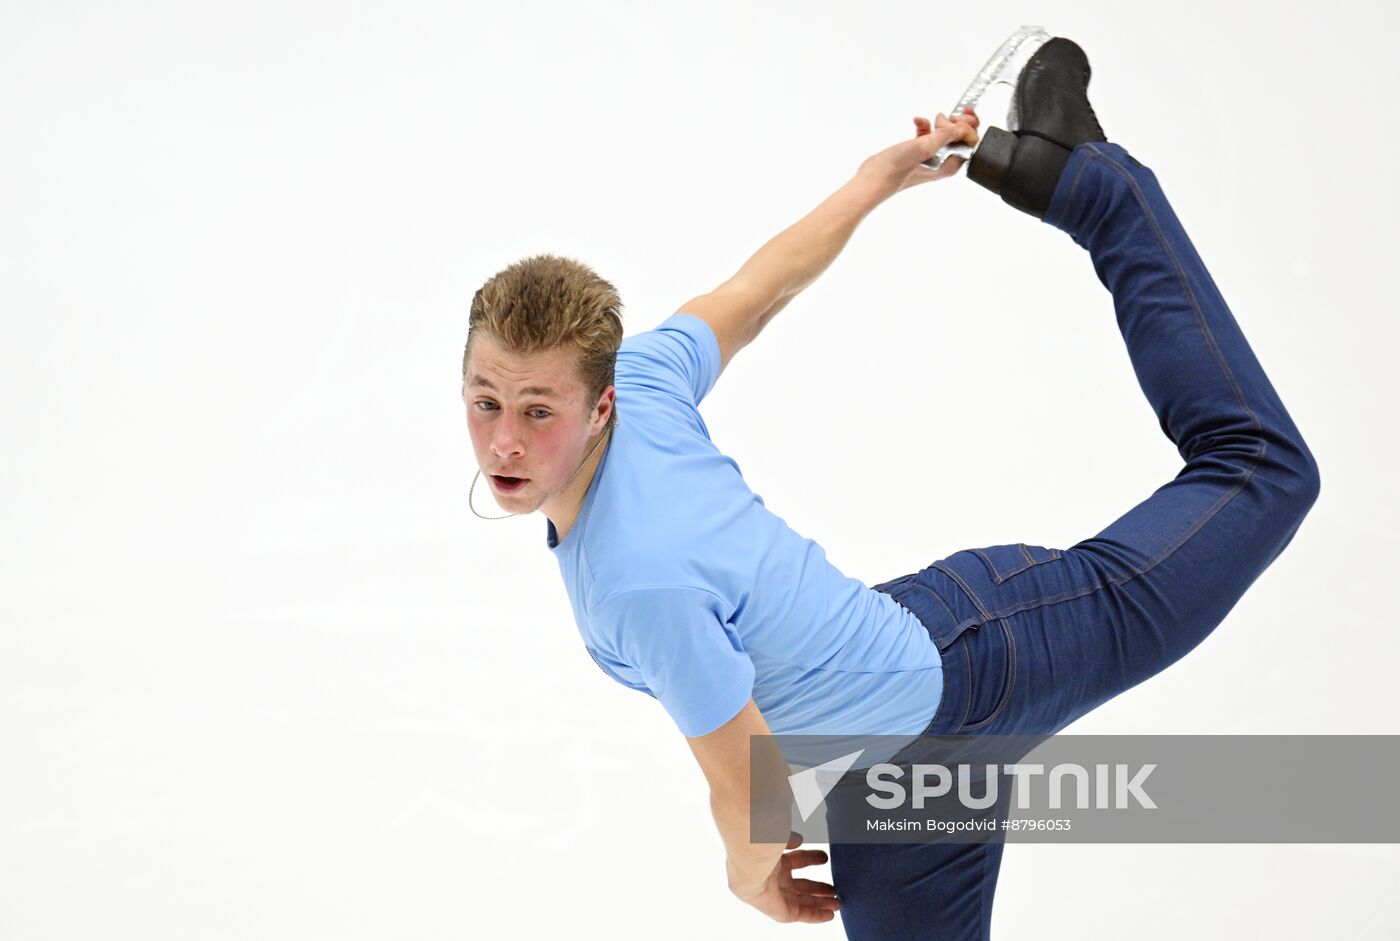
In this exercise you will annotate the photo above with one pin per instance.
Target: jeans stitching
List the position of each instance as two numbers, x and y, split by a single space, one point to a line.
943 692
997 577
1134 573
1069 197
1012 666
1005 699
1185 283
972 596
982 928
935 596
967 691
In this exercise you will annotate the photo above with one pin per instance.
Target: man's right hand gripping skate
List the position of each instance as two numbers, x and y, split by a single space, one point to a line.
901 166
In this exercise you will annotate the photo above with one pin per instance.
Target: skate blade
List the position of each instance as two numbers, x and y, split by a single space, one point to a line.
1004 67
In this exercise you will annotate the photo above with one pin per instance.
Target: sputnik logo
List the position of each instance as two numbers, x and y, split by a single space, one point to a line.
810 786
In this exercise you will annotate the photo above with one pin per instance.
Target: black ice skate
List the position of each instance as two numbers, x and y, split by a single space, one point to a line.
1049 116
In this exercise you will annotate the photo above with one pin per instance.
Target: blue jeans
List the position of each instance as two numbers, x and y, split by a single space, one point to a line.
1034 637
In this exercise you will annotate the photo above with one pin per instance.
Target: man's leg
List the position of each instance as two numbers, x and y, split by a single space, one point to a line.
1034 637
912 891
1083 624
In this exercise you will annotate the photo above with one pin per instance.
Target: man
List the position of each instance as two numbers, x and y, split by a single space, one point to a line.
684 586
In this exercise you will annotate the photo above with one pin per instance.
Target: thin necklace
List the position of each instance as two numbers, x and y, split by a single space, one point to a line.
616 420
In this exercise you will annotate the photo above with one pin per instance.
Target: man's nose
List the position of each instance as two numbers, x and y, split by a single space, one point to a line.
505 436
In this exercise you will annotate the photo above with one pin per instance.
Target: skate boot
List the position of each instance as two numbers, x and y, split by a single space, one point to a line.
1049 117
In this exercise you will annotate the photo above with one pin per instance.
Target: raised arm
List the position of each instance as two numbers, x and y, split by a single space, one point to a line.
739 309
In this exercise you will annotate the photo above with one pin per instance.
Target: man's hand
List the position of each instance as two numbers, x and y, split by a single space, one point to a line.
901 166
785 899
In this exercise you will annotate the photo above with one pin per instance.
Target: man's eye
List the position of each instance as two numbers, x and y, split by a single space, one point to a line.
538 412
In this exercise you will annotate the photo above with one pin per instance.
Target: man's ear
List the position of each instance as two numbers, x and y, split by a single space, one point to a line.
607 400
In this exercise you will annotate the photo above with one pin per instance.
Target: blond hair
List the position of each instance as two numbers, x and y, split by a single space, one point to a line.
544 302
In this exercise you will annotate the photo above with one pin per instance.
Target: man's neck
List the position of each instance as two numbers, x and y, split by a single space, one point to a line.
571 500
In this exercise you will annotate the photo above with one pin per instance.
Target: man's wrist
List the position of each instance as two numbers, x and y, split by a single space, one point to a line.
878 179
746 887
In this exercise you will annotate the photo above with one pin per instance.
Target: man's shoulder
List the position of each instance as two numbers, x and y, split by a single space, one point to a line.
680 356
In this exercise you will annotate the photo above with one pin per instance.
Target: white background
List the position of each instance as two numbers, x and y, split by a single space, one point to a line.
262 674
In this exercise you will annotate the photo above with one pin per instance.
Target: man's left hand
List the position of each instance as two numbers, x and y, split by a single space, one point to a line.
785 899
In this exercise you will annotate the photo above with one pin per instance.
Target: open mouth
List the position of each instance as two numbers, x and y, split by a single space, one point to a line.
509 484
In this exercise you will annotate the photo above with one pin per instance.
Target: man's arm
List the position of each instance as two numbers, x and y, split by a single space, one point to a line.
739 309
759 873
723 756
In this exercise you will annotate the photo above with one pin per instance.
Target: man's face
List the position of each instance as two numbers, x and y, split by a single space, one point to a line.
529 418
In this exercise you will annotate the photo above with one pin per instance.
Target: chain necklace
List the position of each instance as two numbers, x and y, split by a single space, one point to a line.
616 420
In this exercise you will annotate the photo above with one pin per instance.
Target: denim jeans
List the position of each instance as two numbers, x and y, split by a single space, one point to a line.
1033 637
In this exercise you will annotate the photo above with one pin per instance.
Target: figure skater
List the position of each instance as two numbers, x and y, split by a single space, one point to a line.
686 587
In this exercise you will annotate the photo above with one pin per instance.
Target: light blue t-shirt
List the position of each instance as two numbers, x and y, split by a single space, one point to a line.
686 587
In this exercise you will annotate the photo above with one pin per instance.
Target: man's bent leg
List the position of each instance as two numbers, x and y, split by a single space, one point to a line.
1065 630
1034 637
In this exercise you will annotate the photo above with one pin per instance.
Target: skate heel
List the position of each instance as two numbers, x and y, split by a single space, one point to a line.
992 159
1035 171
1020 168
